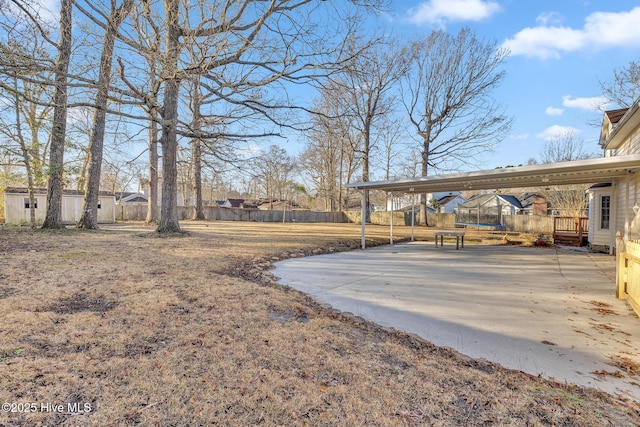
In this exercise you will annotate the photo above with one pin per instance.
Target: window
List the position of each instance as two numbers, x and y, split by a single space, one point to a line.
605 212
99 204
27 203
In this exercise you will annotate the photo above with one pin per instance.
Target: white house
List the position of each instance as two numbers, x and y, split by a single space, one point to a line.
615 206
488 208
448 203
17 204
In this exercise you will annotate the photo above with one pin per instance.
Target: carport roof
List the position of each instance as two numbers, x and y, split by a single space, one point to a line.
600 170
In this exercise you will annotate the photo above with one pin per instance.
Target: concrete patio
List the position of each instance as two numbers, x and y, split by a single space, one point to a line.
544 311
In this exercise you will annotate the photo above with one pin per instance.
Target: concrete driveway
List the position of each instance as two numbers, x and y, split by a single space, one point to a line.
544 311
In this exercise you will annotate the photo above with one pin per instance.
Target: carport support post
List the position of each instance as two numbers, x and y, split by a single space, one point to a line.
362 217
413 217
620 267
391 218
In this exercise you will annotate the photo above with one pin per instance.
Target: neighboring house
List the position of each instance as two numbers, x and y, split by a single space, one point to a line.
233 203
614 207
229 203
278 205
127 198
534 204
402 202
449 203
488 208
16 206
143 190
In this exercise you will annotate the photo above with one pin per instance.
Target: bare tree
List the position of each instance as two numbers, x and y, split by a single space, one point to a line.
448 99
261 43
624 90
568 200
331 157
365 90
273 172
25 114
565 148
53 218
89 218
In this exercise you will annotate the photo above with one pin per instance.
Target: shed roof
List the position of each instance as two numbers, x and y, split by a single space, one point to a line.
604 169
43 191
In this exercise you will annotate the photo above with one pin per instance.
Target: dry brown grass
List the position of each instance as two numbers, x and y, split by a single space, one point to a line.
170 332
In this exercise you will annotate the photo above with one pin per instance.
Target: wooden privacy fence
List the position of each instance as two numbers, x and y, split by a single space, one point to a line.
520 223
528 223
628 272
214 213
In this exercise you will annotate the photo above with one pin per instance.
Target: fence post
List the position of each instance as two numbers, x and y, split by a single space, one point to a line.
621 267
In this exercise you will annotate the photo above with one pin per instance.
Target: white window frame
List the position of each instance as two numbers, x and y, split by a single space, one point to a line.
602 210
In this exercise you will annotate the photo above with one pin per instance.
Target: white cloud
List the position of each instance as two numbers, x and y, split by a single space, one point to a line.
556 131
442 11
597 103
46 10
601 30
550 18
554 111
519 136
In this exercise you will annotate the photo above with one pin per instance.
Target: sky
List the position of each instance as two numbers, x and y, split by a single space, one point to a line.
560 51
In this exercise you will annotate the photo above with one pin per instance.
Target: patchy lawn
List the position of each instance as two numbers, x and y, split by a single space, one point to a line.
122 327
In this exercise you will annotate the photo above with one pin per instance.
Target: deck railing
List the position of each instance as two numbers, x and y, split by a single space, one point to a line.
571 224
570 230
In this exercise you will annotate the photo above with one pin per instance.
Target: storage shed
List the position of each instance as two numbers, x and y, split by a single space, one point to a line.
16 206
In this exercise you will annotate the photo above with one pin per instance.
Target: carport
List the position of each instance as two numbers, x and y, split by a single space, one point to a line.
591 171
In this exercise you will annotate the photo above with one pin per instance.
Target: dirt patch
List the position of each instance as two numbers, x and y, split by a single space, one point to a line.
81 302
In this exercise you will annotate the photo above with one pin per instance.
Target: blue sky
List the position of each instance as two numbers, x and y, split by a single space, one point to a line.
560 51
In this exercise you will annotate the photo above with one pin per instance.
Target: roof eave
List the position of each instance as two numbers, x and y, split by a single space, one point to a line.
624 127
581 171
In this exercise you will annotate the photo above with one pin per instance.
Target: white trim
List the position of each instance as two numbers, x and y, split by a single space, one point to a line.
603 169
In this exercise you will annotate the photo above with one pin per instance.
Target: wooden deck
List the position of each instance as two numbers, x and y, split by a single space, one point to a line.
571 230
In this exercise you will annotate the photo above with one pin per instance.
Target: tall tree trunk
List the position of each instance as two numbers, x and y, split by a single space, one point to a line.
89 218
53 218
365 167
152 204
168 140
196 151
423 197
196 148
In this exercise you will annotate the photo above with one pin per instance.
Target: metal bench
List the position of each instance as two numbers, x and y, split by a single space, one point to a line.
459 235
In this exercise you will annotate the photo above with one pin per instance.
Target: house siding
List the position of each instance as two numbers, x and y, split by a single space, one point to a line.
630 146
626 191
627 196
597 235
